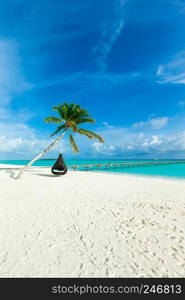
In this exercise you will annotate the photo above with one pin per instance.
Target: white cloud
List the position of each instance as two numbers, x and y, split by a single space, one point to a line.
139 124
158 123
15 130
153 140
154 123
173 71
107 125
103 149
8 115
19 146
140 145
97 146
22 142
131 142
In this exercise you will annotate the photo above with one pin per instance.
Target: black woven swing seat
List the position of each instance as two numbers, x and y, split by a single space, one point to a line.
59 168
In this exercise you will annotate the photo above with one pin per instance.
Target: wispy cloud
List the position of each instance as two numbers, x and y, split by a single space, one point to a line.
110 32
180 4
181 104
87 80
109 36
173 71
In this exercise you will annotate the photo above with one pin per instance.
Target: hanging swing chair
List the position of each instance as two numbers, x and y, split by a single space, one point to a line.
59 168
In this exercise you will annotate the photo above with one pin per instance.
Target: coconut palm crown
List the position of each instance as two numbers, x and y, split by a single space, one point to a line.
71 116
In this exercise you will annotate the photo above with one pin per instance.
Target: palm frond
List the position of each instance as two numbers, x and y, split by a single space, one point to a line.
72 125
71 111
72 115
54 120
73 143
81 113
85 120
58 130
61 109
90 134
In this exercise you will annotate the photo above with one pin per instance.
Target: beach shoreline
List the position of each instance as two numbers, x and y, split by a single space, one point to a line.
170 178
91 224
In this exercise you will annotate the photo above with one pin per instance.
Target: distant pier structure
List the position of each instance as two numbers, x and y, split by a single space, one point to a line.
125 165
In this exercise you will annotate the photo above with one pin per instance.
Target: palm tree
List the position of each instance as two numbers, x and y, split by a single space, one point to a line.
71 116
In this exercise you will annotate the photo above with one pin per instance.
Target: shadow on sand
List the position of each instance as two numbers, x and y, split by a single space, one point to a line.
12 172
46 175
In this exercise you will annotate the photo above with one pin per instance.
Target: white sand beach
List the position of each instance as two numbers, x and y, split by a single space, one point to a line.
87 224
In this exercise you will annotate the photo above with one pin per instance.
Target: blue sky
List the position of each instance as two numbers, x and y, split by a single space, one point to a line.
123 60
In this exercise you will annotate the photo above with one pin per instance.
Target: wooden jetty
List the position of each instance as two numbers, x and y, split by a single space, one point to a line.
125 165
110 165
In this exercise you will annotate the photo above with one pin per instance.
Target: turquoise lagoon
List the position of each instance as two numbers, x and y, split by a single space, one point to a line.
174 170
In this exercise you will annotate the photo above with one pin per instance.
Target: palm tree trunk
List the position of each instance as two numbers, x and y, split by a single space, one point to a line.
21 171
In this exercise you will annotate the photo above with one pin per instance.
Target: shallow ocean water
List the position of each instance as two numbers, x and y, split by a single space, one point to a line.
174 170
